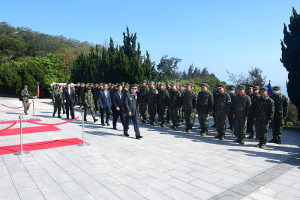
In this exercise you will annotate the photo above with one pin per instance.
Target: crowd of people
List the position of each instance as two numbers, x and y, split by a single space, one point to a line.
249 109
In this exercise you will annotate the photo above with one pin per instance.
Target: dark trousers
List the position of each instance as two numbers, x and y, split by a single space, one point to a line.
116 115
107 111
135 124
69 108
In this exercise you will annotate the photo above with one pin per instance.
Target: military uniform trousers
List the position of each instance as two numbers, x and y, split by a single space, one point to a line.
92 109
220 124
152 112
240 124
162 114
277 124
27 107
143 110
189 118
174 115
250 126
134 119
262 132
203 121
57 106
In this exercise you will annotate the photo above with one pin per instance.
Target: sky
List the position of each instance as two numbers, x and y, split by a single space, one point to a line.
220 35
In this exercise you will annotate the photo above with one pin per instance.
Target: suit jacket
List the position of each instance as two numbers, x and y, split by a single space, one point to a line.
69 97
103 100
130 103
117 101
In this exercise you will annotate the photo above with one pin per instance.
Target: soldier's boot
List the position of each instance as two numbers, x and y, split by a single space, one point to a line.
175 127
237 140
272 141
217 136
53 114
263 146
279 140
222 136
85 119
95 120
163 125
204 133
242 141
251 136
59 115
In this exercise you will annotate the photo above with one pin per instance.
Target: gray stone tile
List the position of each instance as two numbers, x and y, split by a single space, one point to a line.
183 186
150 193
9 193
48 186
31 194
126 193
177 194
24 184
57 196
106 180
73 189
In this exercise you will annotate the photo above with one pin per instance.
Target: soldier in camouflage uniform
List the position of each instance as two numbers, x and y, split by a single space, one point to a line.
182 90
250 122
152 104
57 99
222 103
205 102
263 116
163 103
241 110
281 106
25 99
142 101
189 108
215 93
169 88
96 97
253 106
89 104
230 116
81 95
77 93
174 106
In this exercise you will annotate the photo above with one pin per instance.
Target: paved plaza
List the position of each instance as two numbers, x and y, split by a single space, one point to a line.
165 164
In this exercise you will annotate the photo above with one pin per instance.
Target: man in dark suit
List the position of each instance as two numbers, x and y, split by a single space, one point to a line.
105 104
118 102
69 98
131 110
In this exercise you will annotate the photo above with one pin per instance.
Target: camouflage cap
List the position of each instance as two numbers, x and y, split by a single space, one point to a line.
101 83
82 83
89 88
262 89
276 88
220 85
188 84
127 85
256 88
162 84
123 83
204 85
250 85
242 87
25 86
152 83
144 81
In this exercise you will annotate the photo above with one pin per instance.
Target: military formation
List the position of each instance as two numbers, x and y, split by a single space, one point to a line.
248 109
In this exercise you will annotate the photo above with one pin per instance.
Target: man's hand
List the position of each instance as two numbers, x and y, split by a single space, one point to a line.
118 108
233 115
254 119
246 118
129 113
269 121
65 101
284 118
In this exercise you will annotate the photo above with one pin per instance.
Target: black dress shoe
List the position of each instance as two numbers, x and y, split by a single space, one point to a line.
102 124
126 134
95 120
138 137
115 128
59 116
107 124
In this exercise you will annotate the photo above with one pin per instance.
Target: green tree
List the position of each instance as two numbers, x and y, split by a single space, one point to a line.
290 47
167 67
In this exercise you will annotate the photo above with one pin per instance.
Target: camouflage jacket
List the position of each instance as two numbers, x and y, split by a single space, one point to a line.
189 101
281 105
25 95
89 100
222 104
241 106
205 102
151 96
175 99
163 98
143 94
57 95
264 109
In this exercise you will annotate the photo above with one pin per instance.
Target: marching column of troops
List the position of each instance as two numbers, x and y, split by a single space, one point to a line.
248 110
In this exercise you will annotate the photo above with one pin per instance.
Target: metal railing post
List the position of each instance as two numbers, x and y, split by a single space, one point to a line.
83 138
21 152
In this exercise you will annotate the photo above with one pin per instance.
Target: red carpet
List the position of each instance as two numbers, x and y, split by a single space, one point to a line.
12 121
26 130
40 145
